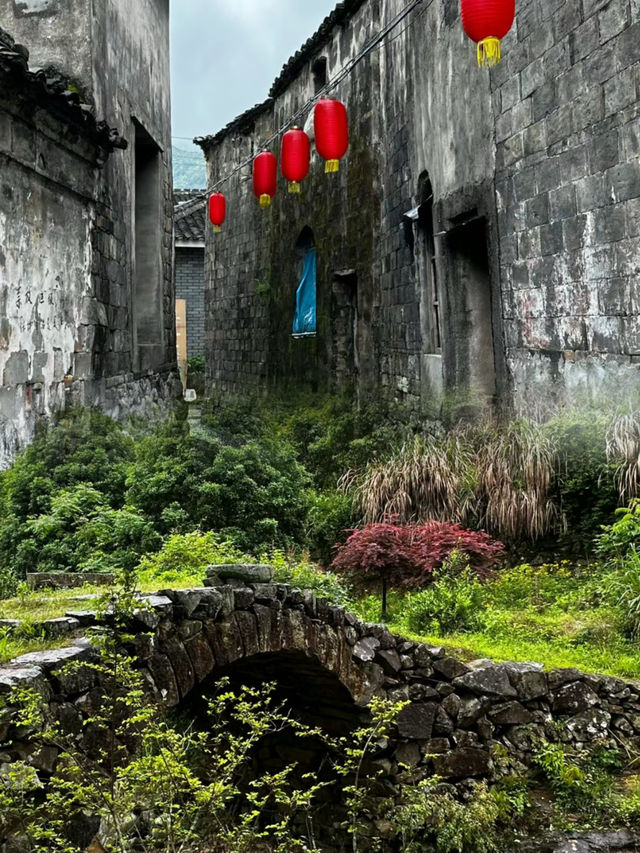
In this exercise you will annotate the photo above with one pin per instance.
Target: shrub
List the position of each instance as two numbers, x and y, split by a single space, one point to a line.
8 583
585 485
83 446
333 434
453 602
425 812
186 556
254 495
328 523
617 539
300 573
84 453
535 585
394 555
622 588
82 533
434 542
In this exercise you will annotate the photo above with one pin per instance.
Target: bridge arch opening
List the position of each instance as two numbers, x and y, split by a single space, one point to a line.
314 696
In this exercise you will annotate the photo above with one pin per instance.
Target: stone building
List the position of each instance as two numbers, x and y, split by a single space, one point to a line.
483 232
189 227
86 291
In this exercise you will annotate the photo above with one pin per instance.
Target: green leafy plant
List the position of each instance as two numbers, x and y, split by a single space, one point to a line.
622 587
185 557
8 583
617 539
427 812
585 486
454 602
195 364
301 573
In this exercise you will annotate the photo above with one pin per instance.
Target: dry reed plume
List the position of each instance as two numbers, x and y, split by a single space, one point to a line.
498 476
425 480
516 465
623 446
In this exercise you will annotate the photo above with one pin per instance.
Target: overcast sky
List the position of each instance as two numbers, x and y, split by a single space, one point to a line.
227 53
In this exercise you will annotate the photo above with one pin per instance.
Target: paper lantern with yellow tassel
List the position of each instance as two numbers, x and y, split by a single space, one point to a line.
331 128
265 177
487 22
217 211
295 156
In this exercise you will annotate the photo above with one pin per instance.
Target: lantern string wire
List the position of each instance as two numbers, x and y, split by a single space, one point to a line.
344 72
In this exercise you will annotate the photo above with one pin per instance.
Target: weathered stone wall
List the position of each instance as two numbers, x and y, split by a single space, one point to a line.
189 266
458 713
567 127
69 300
535 181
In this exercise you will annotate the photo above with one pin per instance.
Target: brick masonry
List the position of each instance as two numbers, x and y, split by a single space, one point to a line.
536 194
189 272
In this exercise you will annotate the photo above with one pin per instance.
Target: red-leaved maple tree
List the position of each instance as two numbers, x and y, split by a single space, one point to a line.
409 554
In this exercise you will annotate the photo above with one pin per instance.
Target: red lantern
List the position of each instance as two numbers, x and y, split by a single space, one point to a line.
486 22
331 127
265 177
217 211
295 157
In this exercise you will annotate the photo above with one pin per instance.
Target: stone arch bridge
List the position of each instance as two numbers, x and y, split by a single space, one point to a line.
332 664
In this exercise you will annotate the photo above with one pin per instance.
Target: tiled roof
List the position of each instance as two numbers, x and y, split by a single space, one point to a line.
340 16
54 92
245 122
190 214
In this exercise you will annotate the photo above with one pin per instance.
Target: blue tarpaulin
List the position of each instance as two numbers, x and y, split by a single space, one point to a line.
304 323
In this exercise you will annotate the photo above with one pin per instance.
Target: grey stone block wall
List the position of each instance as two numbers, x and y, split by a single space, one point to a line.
536 193
567 112
67 289
189 272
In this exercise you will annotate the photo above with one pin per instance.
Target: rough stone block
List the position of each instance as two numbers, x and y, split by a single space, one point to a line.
625 181
612 20
463 763
16 371
415 721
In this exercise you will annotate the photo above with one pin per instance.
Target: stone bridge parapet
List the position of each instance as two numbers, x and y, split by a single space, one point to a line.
458 713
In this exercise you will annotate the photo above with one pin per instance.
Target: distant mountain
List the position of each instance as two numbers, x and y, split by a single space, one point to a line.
189 171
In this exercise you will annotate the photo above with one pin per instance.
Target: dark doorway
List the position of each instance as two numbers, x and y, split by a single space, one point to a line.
471 304
344 318
429 288
430 307
148 234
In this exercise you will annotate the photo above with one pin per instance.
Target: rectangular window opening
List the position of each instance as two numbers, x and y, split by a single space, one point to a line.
319 71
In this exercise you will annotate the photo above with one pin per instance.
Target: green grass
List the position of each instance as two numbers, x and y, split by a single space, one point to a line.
622 660
13 645
554 615
47 604
551 614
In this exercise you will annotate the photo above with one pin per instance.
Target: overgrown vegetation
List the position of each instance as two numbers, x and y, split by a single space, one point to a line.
561 614
259 480
156 784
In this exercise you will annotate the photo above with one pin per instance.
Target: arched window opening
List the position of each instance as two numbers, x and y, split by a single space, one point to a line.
304 321
427 269
319 71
